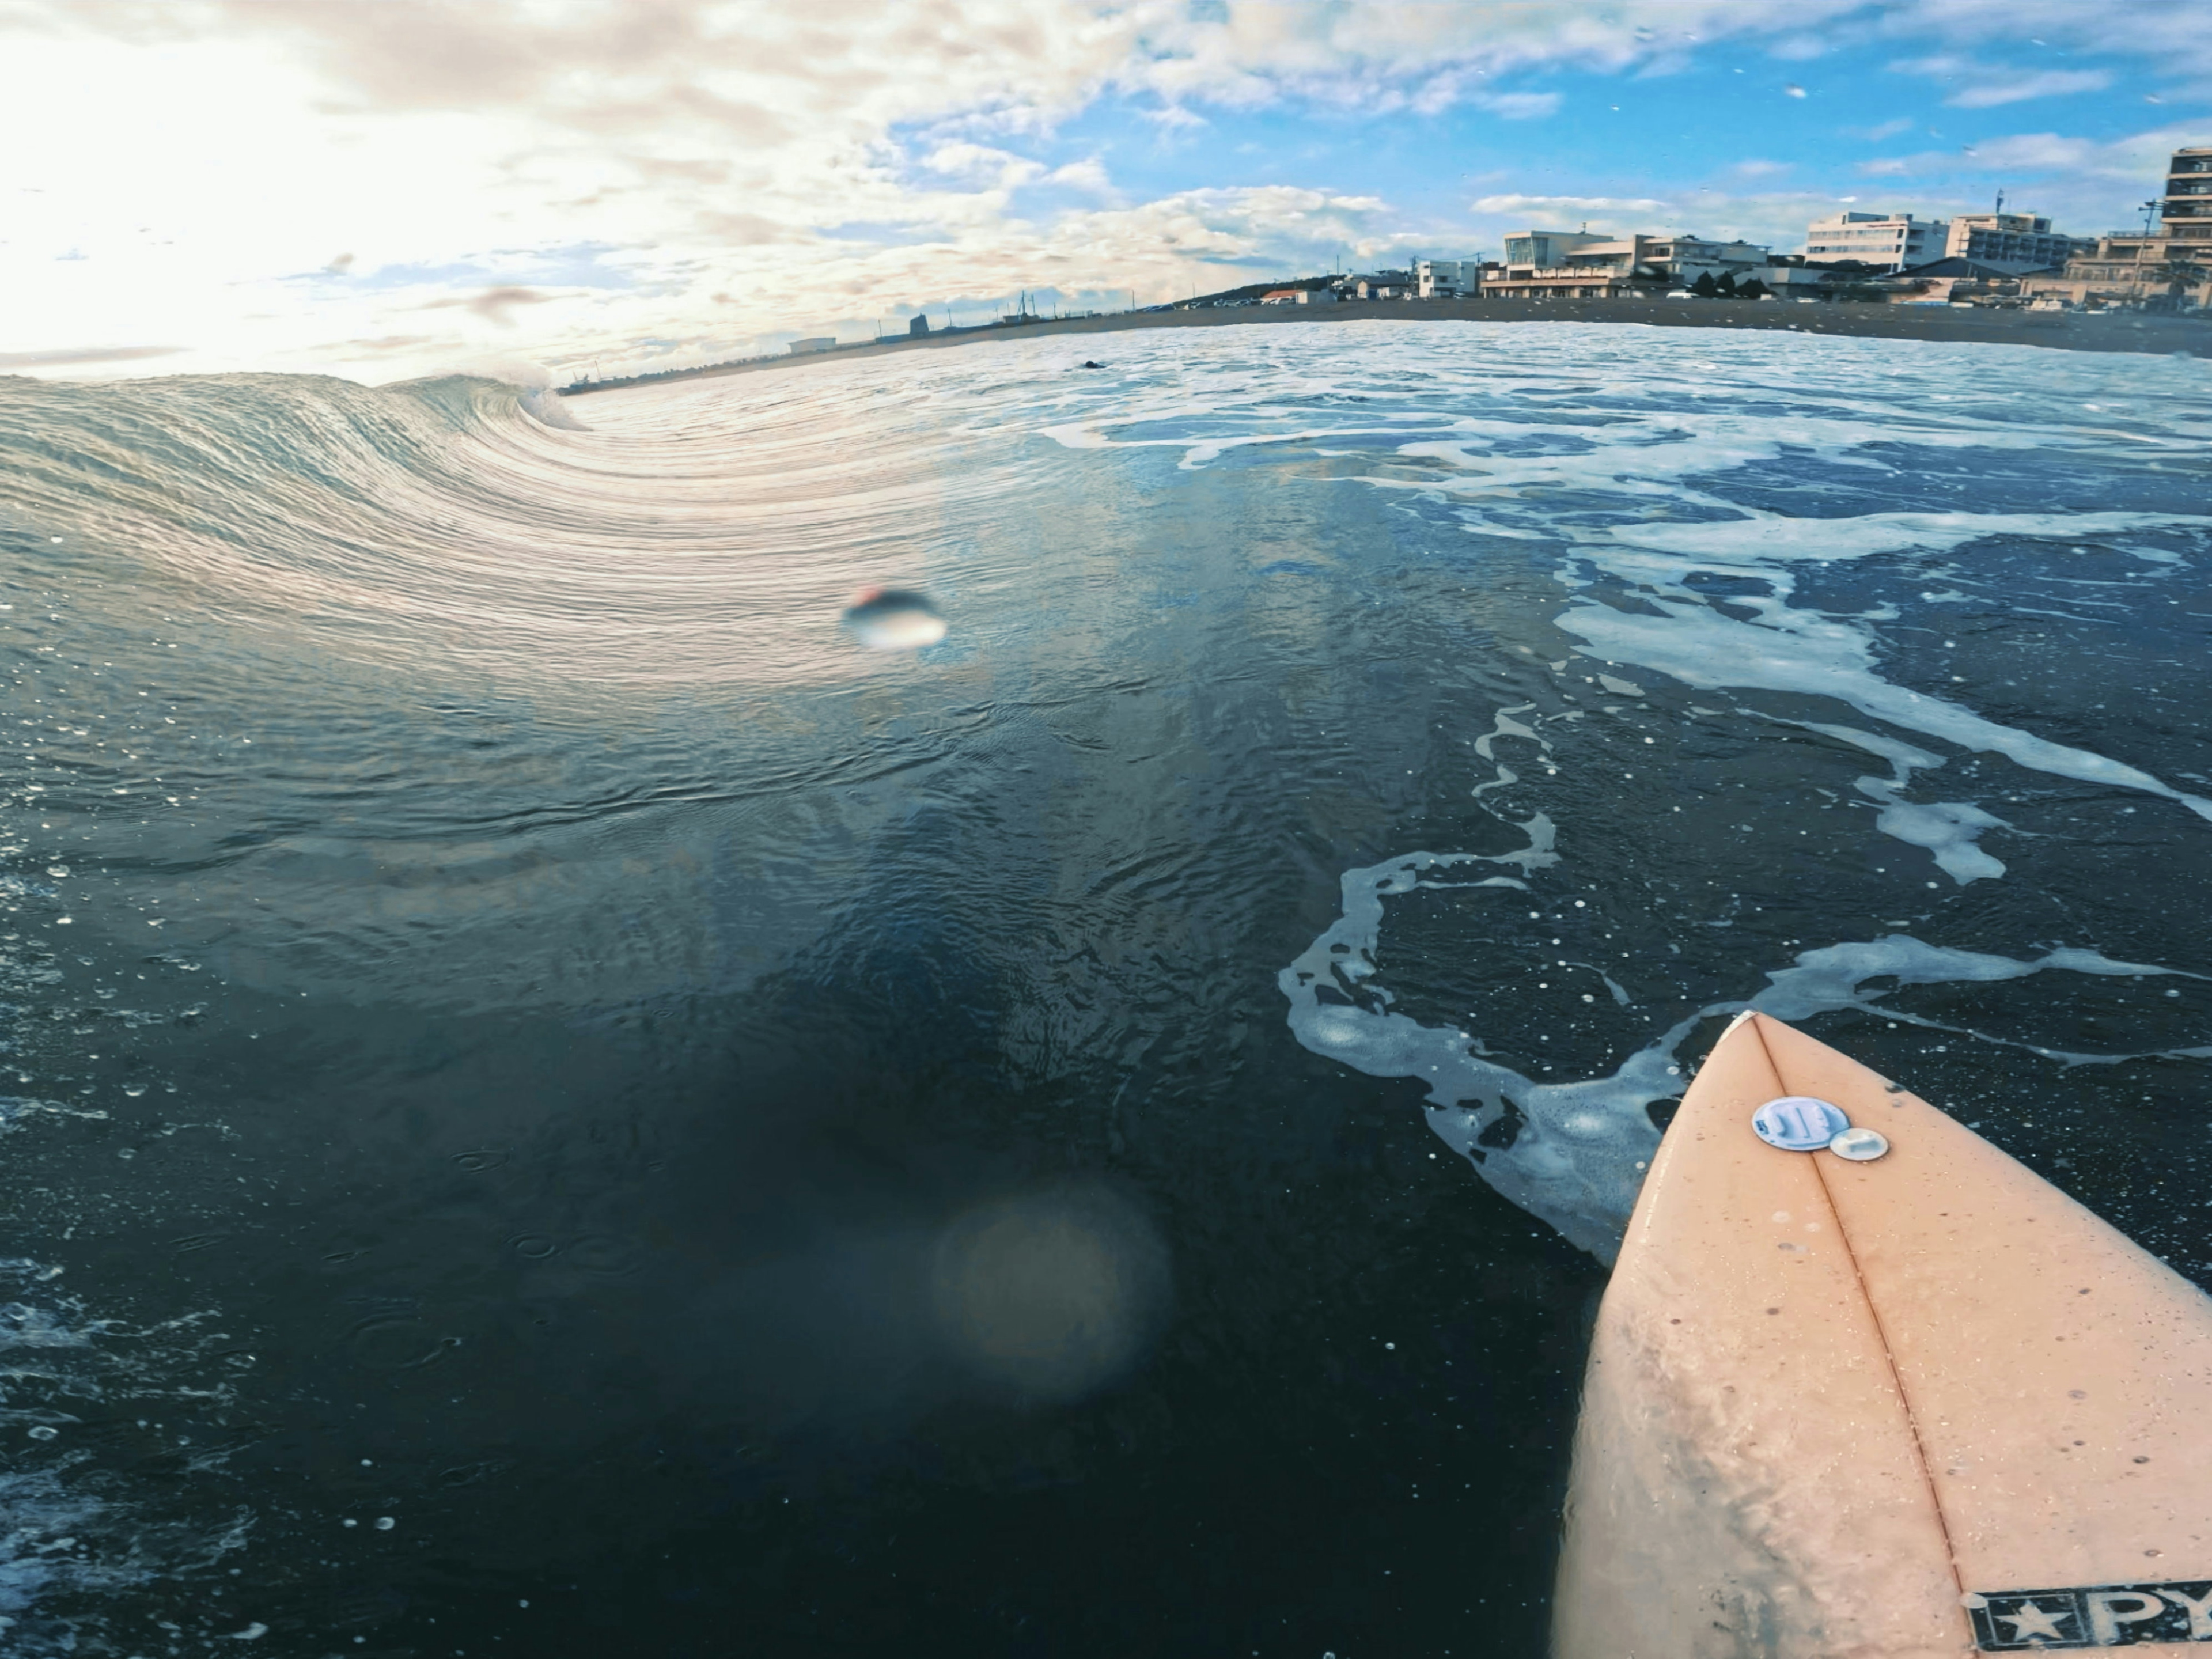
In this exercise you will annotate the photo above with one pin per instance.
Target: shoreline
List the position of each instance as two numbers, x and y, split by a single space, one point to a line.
2149 333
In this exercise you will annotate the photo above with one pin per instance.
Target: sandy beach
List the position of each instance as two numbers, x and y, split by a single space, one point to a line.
2156 335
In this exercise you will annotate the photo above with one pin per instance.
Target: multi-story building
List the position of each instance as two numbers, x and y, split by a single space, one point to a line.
1578 266
2186 207
1886 241
1545 249
1435 279
2168 268
2018 241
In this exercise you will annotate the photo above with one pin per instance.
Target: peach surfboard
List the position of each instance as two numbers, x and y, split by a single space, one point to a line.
1917 1404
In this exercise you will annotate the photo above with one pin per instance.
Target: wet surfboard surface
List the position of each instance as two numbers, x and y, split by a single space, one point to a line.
1917 1405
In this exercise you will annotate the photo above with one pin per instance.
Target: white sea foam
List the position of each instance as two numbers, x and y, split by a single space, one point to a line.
1757 541
1576 1150
1820 655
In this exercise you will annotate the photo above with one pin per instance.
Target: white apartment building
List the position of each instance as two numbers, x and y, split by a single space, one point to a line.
1888 241
2019 241
1435 278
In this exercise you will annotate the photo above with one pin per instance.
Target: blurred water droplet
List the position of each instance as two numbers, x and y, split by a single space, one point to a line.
134 1090
1055 1293
894 619
57 870
43 1432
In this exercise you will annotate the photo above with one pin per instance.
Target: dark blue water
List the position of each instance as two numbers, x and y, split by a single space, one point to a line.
1098 1136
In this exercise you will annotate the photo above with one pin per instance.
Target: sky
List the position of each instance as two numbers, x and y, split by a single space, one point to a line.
385 189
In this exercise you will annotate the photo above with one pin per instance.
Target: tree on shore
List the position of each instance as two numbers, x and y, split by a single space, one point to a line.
1753 289
1726 286
1706 287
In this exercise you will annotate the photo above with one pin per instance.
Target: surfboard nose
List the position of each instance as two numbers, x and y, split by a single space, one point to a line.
1917 1403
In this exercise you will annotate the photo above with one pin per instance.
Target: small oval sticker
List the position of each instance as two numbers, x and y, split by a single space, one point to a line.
1799 1123
1859 1145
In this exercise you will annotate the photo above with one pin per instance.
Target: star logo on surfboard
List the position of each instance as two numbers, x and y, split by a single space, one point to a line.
2095 1616
2029 1620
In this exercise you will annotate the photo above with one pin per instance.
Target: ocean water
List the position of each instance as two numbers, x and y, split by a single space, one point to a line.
554 1103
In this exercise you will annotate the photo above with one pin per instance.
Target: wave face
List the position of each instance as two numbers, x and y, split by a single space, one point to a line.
511 1019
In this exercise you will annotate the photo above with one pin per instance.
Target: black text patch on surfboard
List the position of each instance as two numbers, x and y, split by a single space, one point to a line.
2106 1616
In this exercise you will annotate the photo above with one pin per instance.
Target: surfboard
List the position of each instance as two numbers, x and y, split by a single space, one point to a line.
1915 1404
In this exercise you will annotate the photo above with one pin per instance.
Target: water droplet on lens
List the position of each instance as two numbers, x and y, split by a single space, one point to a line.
894 619
42 1432
58 871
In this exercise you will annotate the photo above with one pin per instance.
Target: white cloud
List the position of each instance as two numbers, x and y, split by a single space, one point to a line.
1087 175
1982 85
2135 160
1174 118
982 167
1760 169
1519 105
1569 205
2050 83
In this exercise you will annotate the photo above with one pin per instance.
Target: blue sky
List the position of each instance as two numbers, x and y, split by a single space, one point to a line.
383 189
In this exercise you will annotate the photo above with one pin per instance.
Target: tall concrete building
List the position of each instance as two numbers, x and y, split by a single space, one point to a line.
2186 207
2168 270
1887 242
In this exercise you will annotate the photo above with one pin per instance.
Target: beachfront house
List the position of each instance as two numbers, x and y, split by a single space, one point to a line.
1377 285
1580 265
818 342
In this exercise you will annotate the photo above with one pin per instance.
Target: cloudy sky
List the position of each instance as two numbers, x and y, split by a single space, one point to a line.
386 188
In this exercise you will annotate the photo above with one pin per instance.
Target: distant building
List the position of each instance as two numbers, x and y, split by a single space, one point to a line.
2166 269
1375 285
2019 242
917 325
1578 265
1434 279
820 343
1886 241
1946 282
1790 278
2185 210
1536 250
1564 265
1299 296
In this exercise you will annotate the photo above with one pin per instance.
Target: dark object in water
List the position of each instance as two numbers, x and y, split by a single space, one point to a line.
1087 363
894 619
